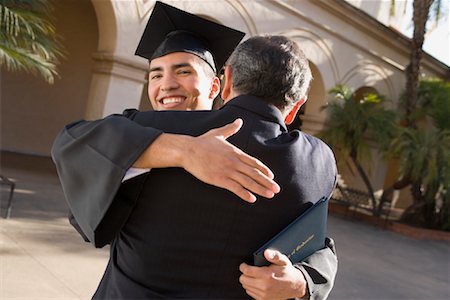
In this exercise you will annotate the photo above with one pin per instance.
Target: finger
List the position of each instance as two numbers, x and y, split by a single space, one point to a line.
243 268
246 281
249 165
276 257
227 130
256 163
250 284
248 183
251 271
254 293
239 191
254 181
232 128
258 171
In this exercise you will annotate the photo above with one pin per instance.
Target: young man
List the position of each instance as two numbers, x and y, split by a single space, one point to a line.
180 79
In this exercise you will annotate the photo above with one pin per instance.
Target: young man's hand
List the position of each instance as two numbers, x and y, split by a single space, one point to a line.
213 160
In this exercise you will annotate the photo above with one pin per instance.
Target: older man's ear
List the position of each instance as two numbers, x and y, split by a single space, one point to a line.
227 90
293 112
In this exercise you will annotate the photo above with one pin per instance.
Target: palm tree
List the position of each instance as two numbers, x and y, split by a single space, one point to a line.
424 156
421 14
28 40
421 11
351 124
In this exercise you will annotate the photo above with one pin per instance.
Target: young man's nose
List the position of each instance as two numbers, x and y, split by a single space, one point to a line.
169 83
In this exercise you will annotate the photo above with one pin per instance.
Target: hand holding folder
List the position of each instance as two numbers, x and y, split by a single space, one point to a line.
304 236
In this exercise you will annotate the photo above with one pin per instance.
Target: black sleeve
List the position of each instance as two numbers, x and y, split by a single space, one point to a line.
92 158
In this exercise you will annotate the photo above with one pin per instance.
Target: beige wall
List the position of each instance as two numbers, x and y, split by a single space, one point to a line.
32 111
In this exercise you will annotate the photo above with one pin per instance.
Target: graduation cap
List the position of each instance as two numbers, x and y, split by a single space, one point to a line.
170 29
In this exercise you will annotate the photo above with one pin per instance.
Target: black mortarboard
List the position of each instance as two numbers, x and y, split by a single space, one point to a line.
170 29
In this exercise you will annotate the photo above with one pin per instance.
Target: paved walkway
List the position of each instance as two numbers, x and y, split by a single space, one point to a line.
42 257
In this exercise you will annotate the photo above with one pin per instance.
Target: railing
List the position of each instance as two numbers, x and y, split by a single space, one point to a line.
355 201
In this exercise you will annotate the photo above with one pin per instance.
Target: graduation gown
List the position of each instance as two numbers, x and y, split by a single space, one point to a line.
174 236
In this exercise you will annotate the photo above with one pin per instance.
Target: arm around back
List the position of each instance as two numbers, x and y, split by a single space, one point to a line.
91 158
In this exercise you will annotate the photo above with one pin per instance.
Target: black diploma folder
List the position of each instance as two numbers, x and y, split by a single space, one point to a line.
304 236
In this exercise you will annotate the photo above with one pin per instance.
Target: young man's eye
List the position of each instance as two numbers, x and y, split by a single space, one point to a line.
184 71
154 76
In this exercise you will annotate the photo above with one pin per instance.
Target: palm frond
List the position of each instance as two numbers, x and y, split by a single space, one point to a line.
423 154
28 40
349 123
18 59
434 101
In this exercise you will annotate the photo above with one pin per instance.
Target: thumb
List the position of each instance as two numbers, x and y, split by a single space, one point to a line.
276 257
229 129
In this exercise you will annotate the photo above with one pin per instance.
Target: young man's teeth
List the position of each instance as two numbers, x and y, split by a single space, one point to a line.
172 100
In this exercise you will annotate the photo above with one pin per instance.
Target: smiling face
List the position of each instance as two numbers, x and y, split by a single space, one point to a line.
179 81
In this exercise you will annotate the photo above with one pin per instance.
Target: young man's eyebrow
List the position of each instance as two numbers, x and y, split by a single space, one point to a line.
181 65
155 69
174 67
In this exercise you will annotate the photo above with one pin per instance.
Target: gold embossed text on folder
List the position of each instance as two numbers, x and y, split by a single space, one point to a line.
300 246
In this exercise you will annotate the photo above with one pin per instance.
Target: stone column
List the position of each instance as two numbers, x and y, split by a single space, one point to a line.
117 84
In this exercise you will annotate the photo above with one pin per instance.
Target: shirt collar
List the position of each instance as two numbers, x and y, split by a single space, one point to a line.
258 106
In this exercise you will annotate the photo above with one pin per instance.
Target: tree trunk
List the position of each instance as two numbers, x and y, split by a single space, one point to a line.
421 10
367 182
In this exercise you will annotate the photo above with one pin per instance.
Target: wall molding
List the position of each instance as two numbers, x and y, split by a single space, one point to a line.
111 64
